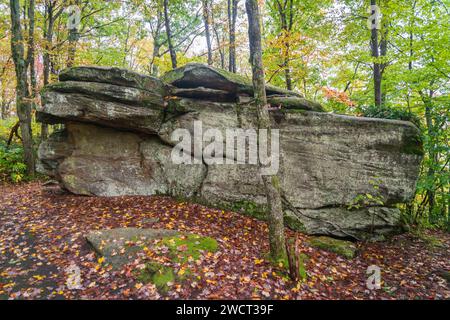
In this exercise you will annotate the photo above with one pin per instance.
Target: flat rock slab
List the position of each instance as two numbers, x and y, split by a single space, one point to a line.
118 246
115 76
193 75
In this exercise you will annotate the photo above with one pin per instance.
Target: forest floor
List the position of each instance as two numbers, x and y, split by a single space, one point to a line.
42 233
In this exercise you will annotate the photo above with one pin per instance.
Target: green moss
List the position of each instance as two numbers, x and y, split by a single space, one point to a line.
294 223
181 247
296 111
158 274
343 248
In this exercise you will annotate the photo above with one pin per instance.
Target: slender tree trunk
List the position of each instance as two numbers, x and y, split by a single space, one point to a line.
153 66
173 54
154 70
220 48
72 49
286 29
383 53
31 50
2 103
232 16
74 35
271 183
48 35
431 150
23 104
376 64
207 23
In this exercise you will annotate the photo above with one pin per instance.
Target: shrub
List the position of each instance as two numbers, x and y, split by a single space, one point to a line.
384 112
12 168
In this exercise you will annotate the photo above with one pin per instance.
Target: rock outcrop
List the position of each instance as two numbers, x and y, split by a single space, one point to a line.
341 176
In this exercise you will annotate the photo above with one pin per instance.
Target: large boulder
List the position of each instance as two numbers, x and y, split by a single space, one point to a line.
341 176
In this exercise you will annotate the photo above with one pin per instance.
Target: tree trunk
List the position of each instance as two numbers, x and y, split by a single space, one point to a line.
173 54
376 64
383 53
220 48
207 22
154 70
48 35
286 29
23 104
73 39
30 54
431 149
271 183
74 35
232 16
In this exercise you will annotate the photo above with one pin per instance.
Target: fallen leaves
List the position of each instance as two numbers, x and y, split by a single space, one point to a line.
42 233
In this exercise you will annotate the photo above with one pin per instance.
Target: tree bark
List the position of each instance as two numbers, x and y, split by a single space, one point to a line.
271 183
74 36
232 16
207 23
31 50
23 103
173 54
376 64
286 27
432 155
72 48
48 35
154 70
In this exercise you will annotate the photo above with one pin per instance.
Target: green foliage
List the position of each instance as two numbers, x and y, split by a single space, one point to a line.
12 168
385 112
368 199
182 247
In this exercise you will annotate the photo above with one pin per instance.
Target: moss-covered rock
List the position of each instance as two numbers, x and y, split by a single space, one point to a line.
113 75
183 246
158 274
294 103
194 75
293 222
343 248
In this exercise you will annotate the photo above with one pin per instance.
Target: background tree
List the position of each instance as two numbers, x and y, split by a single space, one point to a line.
23 96
232 16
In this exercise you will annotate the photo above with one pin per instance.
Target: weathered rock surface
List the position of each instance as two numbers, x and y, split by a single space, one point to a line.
114 244
194 75
341 175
